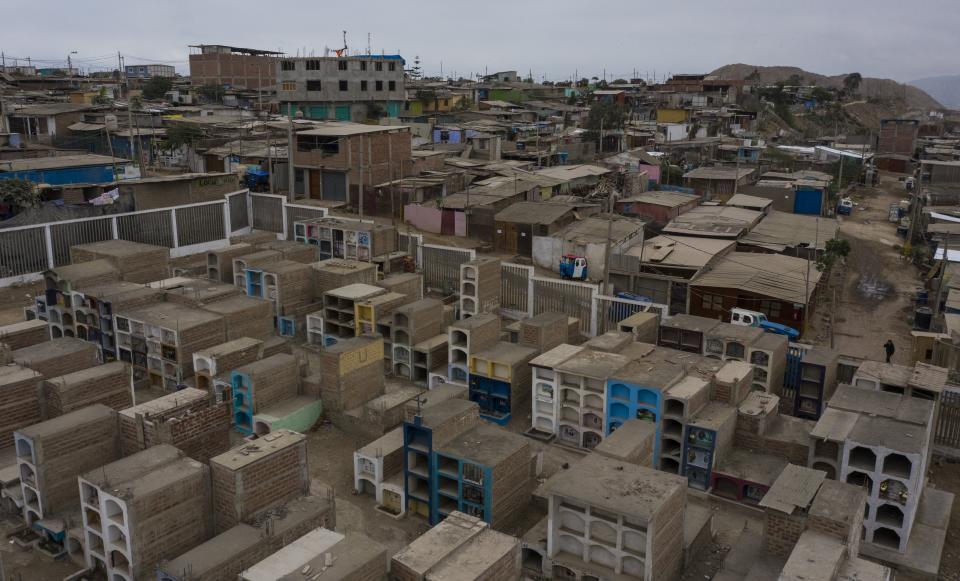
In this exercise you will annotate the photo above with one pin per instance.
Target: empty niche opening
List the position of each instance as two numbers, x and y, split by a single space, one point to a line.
533 561
458 338
670 465
863 458
469 289
458 356
115 535
826 449
632 566
672 428
73 545
55 332
886 538
602 556
93 519
561 572
27 475
114 511
726 488
860 479
831 472
400 320
401 337
469 305
603 533
94 543
889 515
897 465
674 407
24 449
261 428
31 516
30 497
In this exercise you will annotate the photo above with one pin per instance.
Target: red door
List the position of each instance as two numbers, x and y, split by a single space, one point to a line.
448 223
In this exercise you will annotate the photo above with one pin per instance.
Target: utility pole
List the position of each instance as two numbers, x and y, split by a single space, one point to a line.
291 173
606 249
130 129
736 177
944 263
360 191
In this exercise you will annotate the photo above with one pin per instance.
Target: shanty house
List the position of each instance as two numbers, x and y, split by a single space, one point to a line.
516 226
658 207
588 238
781 287
717 183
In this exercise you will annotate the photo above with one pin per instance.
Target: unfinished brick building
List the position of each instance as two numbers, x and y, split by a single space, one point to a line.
190 419
143 508
257 476
108 384
20 390
51 455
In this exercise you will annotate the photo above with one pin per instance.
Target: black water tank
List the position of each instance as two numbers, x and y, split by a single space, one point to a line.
921 318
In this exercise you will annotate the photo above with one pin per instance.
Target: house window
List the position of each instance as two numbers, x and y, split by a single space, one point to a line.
712 302
363 85
343 85
770 308
288 65
472 473
406 105
313 65
378 66
446 102
288 86
392 66
392 85
327 145
314 86
363 65
342 65
379 85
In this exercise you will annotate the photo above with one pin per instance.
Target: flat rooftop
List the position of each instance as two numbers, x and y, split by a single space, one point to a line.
70 421
484 444
118 473
246 454
507 353
438 543
52 349
882 404
593 364
346 129
165 403
616 486
172 316
555 356
475 557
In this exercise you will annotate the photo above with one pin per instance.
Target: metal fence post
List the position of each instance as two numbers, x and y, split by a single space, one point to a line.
227 227
48 240
283 215
173 224
114 228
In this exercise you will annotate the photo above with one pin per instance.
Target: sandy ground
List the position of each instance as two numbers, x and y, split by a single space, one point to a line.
946 476
874 287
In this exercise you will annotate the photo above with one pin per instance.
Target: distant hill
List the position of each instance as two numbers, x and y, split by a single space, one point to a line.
911 97
945 89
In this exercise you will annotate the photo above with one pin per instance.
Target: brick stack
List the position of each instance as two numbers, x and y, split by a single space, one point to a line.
732 383
294 286
24 334
244 316
73 276
59 450
480 286
255 477
193 329
197 292
20 390
136 262
293 251
254 237
225 556
164 499
6 356
632 442
413 323
220 262
107 384
189 419
58 356
254 259
271 380
408 283
220 360
543 332
351 373
337 273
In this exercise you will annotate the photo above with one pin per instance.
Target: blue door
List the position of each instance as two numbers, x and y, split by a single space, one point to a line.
343 112
808 202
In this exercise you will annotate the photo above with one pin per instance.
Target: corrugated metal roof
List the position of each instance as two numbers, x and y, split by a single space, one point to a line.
717 173
771 275
533 213
781 230
59 162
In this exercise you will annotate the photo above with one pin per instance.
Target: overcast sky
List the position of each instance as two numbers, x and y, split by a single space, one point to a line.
557 38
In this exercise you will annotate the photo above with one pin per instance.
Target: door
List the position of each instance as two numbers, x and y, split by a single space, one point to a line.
316 192
335 186
448 221
343 112
507 237
524 240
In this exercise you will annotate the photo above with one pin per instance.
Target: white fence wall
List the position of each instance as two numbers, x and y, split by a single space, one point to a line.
27 251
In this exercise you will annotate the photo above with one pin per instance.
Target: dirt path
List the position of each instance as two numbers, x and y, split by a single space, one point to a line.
875 287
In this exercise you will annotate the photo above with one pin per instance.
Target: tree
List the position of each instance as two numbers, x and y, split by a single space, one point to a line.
19 194
822 95
212 93
620 82
375 110
136 103
852 82
834 249
179 135
101 98
584 82
754 76
605 116
157 87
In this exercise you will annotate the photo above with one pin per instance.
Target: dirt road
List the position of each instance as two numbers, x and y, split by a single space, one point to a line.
874 286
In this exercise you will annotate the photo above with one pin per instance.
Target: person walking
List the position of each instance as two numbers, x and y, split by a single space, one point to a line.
889 348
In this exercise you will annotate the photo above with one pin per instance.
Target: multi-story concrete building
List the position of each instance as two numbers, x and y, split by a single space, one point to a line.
342 88
215 64
335 158
147 71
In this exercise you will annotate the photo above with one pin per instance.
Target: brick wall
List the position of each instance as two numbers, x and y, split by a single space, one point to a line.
111 388
781 532
20 404
666 530
239 495
201 434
